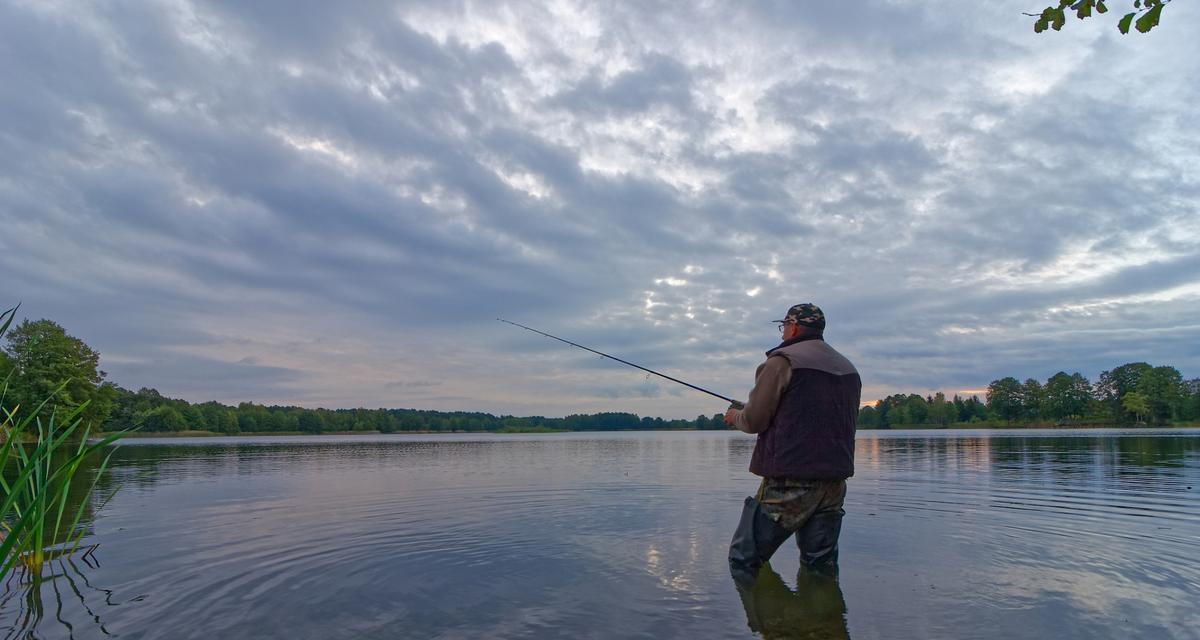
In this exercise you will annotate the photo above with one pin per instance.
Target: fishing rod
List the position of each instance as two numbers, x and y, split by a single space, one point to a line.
732 403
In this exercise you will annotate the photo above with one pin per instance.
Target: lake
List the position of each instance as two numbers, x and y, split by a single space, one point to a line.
948 534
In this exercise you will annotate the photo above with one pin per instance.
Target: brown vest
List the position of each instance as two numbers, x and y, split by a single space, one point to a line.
811 436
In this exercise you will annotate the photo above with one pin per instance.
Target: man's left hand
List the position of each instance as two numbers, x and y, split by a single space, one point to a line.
730 416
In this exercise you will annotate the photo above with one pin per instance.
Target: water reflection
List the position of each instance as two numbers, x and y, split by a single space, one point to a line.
45 591
947 534
814 610
1082 532
43 601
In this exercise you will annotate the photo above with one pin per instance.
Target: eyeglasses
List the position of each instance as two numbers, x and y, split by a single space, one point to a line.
784 325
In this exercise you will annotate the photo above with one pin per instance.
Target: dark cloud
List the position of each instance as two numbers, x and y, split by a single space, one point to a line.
411 384
229 382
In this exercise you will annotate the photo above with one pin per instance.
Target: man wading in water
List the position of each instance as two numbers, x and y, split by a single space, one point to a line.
803 407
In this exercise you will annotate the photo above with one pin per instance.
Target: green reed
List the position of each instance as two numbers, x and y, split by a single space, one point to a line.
40 461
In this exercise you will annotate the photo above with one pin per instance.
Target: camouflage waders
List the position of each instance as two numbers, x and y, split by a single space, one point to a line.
811 509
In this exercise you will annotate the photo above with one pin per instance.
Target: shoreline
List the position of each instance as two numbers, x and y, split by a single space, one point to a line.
959 427
260 434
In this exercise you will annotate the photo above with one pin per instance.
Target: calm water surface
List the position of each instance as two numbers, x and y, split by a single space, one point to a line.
1062 534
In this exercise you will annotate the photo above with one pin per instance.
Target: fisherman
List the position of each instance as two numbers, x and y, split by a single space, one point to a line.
803 407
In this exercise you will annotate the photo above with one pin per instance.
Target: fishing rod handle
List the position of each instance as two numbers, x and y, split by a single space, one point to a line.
737 405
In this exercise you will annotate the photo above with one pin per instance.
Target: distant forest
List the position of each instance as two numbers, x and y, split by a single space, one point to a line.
1133 393
41 361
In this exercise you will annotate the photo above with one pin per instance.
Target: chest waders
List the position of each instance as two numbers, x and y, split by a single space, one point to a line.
810 509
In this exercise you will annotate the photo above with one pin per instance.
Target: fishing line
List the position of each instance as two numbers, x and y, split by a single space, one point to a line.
732 403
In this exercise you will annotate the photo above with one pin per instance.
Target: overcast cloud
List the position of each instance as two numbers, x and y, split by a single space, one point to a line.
328 204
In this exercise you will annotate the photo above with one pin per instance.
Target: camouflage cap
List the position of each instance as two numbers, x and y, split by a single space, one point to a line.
806 314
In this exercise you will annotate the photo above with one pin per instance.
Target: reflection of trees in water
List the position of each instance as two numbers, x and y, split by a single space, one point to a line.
1055 457
814 609
923 454
144 465
140 466
1095 458
55 586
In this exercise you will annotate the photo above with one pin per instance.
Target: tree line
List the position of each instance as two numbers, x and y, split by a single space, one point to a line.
1133 393
152 412
41 362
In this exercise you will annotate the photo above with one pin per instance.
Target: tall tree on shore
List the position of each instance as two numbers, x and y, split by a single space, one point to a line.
162 418
1066 396
1113 385
868 417
942 412
973 410
1004 398
48 364
1136 404
311 422
1191 405
1031 398
1164 391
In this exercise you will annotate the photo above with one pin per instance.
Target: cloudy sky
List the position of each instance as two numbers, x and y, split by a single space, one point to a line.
329 204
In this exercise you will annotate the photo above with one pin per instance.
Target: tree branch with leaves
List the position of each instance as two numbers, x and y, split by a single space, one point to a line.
1143 18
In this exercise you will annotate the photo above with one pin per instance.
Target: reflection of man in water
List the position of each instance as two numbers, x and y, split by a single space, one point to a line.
803 407
816 609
